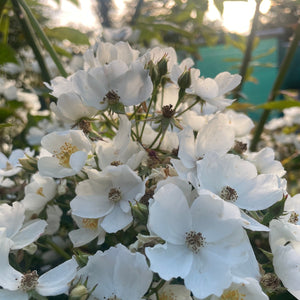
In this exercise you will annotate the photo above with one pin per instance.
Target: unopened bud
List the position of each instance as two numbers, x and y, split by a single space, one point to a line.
153 71
162 66
29 164
80 292
184 80
140 212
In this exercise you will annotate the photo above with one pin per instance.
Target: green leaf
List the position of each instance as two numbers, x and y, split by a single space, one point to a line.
62 51
75 2
66 33
3 125
270 51
4 27
117 108
219 5
280 105
7 54
274 211
5 113
268 254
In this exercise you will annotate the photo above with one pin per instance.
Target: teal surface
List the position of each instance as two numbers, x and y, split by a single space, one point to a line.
213 63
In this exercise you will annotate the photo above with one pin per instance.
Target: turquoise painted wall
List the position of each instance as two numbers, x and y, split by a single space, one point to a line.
213 63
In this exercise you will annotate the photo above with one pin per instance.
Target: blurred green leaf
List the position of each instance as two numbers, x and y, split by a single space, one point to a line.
4 26
62 51
5 113
219 5
7 54
75 2
280 105
270 51
238 42
2 125
66 33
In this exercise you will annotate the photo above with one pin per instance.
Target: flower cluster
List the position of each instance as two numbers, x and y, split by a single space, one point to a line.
146 189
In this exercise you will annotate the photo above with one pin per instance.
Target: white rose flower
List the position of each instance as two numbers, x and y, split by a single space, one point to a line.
69 151
284 242
21 234
249 290
38 193
213 90
108 194
121 150
203 242
70 108
89 229
117 274
116 82
16 285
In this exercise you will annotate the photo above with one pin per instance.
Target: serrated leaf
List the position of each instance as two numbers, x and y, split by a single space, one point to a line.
280 105
66 33
7 54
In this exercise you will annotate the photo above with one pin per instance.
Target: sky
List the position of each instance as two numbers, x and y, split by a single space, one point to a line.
236 17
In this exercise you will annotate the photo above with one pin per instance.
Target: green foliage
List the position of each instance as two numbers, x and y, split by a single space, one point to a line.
280 105
66 33
7 54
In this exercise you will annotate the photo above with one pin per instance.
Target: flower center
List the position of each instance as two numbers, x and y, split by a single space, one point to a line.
115 163
167 296
232 295
194 241
114 195
9 166
111 97
66 150
294 218
114 297
90 223
29 281
40 192
228 194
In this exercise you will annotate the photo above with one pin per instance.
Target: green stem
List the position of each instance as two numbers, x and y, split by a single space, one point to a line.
161 139
31 39
181 94
153 98
188 108
57 249
276 86
248 52
156 138
109 121
37 28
